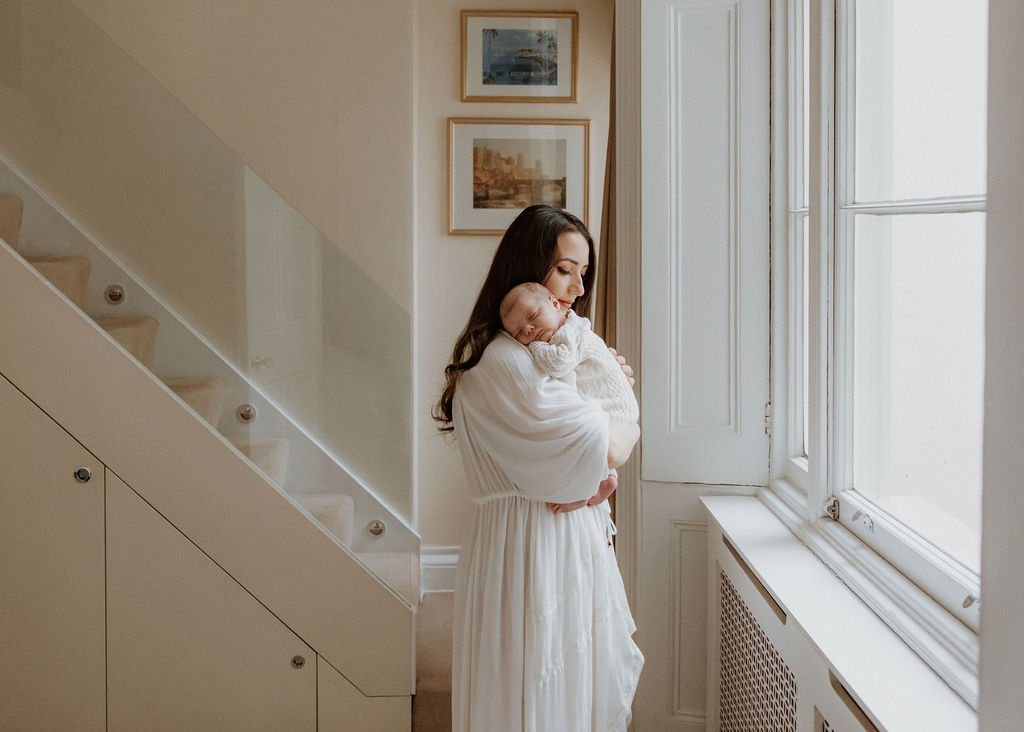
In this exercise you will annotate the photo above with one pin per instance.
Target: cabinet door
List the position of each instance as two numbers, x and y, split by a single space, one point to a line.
343 708
51 574
188 647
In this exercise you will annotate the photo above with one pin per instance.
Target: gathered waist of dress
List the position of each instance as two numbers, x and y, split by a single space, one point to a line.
491 497
610 528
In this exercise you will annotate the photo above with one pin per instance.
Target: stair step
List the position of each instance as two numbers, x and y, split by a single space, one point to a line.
337 512
70 275
137 335
205 395
269 454
10 219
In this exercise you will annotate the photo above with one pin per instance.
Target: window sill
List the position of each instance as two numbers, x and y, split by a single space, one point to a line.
944 643
891 682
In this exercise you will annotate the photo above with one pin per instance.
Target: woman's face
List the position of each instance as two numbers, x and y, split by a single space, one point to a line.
565 279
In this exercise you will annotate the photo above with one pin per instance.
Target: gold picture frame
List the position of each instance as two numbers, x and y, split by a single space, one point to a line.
517 56
498 167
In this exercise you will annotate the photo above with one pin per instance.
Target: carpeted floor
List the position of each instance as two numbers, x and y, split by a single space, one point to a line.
432 705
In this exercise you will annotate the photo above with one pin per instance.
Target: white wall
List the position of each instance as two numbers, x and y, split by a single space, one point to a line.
1002 581
449 269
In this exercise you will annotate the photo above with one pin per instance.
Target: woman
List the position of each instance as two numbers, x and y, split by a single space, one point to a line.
542 637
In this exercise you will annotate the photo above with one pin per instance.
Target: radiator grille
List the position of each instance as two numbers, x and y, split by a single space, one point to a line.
758 691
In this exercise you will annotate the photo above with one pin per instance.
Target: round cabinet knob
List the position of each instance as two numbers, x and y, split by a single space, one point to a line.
83 474
298 662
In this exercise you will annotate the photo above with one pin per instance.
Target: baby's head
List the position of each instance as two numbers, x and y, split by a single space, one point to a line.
530 313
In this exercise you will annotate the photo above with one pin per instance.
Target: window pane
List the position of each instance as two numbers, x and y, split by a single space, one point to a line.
918 373
920 98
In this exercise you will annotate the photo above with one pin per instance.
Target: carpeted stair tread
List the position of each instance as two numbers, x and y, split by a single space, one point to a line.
336 511
10 219
269 454
432 705
70 275
205 395
136 334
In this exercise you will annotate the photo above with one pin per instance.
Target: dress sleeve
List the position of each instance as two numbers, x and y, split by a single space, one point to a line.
536 430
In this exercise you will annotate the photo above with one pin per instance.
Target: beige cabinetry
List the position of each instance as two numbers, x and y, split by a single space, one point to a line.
51 574
188 647
343 708
113 619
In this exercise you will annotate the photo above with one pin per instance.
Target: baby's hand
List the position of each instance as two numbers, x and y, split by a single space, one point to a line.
607 487
626 368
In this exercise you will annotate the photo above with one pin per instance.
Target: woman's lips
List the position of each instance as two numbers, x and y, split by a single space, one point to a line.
566 303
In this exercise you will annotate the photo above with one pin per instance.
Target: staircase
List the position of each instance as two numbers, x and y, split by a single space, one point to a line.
271 443
137 334
351 576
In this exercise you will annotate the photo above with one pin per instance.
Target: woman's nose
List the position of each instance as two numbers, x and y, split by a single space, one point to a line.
577 285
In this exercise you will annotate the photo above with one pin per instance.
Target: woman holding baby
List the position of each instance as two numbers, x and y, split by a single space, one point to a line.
542 631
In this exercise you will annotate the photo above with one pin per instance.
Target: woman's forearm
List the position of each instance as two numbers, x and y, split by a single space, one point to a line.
622 436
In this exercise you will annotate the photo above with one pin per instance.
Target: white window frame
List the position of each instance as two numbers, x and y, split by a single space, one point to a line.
928 612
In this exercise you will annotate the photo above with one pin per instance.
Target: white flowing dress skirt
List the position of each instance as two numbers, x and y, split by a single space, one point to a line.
542 627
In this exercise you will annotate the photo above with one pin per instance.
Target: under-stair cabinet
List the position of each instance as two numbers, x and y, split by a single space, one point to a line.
114 619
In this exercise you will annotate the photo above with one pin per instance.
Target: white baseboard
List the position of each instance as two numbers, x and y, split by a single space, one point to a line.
437 568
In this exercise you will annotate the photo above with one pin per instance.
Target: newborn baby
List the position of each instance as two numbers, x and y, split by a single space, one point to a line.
561 342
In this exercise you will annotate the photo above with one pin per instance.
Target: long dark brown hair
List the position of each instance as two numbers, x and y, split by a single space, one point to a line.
527 252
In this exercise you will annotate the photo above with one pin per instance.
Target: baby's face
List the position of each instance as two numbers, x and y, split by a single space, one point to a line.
534 317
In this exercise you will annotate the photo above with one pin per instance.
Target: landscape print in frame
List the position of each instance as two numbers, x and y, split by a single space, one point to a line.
498 167
512 56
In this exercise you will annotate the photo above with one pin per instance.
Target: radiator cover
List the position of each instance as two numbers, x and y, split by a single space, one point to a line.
757 689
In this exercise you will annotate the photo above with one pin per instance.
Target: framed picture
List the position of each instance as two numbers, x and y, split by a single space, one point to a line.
498 167
519 56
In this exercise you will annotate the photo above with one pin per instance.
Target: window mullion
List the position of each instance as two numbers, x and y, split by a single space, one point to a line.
822 208
840 425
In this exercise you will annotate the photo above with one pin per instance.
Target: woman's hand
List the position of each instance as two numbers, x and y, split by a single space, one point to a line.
626 368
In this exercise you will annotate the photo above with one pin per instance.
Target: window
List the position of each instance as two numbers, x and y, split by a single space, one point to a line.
882 294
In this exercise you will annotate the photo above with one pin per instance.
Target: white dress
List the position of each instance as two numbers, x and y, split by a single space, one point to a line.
542 631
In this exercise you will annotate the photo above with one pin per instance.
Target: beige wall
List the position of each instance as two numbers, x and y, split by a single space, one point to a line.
125 161
449 269
315 96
